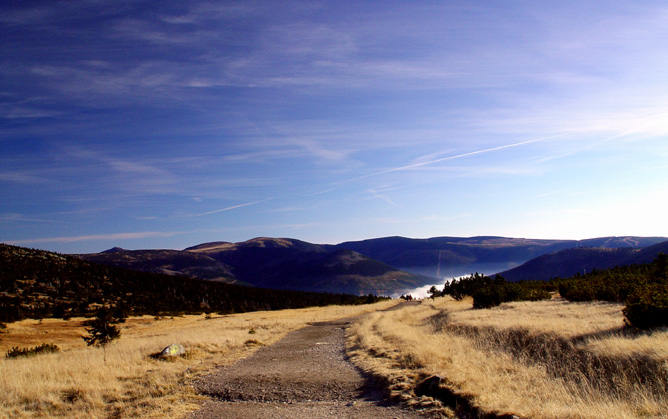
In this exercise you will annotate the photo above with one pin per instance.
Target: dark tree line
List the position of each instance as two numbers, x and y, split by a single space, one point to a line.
38 284
490 292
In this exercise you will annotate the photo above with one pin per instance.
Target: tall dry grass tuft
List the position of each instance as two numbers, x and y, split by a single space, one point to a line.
534 359
78 383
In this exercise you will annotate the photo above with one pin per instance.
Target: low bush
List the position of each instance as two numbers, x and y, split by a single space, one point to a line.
45 348
488 297
577 291
648 308
490 292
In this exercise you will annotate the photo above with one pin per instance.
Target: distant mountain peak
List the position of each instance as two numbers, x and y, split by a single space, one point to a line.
208 246
114 250
270 242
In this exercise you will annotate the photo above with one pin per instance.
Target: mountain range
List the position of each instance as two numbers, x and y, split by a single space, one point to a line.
383 266
276 263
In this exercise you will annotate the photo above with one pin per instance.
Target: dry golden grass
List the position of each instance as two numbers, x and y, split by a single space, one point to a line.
553 316
549 359
78 383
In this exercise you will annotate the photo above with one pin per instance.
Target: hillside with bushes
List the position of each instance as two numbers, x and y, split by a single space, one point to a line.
38 284
580 260
642 287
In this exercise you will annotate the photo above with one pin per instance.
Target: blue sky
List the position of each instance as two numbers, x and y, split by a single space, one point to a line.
164 124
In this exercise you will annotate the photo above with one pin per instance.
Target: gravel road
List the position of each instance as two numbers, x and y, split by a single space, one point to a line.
304 376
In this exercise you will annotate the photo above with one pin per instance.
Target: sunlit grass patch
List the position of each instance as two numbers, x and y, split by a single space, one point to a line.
548 359
131 383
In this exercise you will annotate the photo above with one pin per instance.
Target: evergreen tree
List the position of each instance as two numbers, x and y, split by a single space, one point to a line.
102 330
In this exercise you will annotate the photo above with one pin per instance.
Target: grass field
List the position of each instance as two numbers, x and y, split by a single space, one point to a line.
78 383
550 359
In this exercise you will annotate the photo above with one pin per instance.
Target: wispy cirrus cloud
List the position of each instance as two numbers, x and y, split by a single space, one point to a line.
93 237
225 113
127 174
25 112
23 218
382 196
23 178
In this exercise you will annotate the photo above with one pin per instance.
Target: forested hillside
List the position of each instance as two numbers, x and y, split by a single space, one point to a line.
568 262
37 284
581 260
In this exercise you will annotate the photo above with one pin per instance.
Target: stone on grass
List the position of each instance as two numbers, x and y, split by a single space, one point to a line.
173 350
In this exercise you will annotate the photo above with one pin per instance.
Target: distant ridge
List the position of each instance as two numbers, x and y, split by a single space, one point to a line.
387 265
491 253
569 262
277 263
207 246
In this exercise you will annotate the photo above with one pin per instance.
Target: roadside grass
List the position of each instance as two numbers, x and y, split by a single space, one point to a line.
548 359
76 382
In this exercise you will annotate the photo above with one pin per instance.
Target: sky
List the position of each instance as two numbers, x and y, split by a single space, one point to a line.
165 124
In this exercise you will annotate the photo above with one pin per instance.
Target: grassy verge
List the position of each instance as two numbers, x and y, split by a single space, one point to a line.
76 382
549 359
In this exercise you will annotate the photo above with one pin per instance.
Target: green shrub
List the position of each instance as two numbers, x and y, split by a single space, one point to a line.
45 348
537 295
490 292
489 297
460 288
648 308
577 291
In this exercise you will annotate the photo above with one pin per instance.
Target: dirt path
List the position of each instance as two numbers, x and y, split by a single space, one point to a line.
305 376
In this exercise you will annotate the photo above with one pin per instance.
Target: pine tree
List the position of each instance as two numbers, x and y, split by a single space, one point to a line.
102 330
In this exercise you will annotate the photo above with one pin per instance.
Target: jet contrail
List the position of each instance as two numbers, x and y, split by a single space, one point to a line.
231 208
396 169
487 150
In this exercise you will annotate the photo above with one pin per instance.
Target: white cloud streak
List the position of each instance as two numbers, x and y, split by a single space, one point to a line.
232 207
93 237
15 217
458 156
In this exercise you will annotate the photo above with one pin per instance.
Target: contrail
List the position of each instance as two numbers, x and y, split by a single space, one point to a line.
231 208
458 156
396 169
